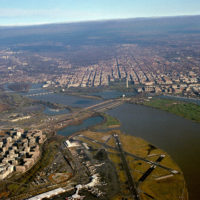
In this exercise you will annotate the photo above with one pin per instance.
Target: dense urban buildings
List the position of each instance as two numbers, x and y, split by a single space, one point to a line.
145 69
163 57
19 150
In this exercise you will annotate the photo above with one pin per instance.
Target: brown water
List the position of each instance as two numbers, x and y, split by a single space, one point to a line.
177 136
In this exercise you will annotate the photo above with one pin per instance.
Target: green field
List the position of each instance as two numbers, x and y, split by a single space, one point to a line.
110 120
187 110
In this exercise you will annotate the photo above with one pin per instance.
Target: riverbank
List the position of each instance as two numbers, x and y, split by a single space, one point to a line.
94 121
109 122
186 110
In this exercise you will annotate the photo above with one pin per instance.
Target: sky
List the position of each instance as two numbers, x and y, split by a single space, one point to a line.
28 12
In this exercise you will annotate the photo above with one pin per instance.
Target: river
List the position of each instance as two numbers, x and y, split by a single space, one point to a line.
177 136
64 99
69 130
74 101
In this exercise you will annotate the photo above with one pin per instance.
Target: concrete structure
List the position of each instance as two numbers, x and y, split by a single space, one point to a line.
71 144
48 194
19 150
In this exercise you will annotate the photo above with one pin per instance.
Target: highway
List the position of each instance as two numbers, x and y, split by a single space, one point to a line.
108 106
99 104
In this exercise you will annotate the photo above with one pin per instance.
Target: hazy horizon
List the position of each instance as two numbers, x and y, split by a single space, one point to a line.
97 20
34 12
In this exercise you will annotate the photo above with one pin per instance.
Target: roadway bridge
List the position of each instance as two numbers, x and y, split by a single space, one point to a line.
105 105
84 113
99 107
32 94
32 90
39 94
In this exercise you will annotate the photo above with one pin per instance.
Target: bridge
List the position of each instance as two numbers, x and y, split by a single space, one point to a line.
105 105
99 107
12 91
84 113
38 94
32 94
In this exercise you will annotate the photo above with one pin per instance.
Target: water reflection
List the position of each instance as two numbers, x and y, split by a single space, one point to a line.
84 125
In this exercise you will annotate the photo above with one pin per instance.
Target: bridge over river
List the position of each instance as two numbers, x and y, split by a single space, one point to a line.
60 121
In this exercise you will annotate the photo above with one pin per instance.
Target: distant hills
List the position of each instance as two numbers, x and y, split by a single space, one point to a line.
143 31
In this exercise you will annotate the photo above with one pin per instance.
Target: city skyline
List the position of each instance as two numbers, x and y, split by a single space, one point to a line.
33 12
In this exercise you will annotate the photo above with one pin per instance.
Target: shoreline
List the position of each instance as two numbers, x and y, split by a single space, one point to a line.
172 103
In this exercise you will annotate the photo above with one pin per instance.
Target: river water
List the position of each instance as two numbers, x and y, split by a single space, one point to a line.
177 136
69 130
50 111
64 99
108 94
74 101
